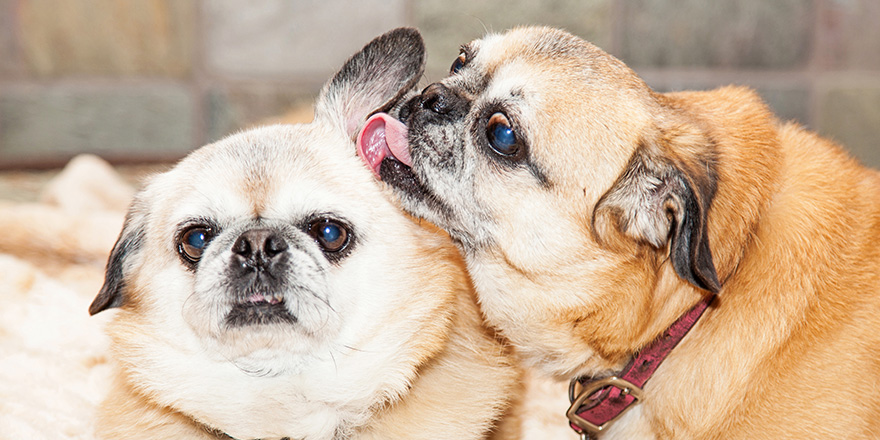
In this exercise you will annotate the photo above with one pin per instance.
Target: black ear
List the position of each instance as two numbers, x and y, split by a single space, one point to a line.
112 293
661 202
373 79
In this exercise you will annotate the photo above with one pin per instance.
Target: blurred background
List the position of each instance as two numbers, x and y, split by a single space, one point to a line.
149 80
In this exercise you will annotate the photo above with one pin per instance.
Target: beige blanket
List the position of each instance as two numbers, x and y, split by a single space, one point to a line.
53 355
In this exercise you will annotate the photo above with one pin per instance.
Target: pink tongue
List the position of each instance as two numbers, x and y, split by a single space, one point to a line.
383 136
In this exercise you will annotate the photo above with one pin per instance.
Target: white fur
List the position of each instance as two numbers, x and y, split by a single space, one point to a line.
324 374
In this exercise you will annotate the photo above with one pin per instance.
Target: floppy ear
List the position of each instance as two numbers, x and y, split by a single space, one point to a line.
373 79
659 201
113 292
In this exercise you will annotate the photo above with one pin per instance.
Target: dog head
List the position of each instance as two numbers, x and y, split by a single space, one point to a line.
267 287
572 188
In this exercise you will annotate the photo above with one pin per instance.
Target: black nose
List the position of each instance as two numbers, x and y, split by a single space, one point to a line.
258 247
437 98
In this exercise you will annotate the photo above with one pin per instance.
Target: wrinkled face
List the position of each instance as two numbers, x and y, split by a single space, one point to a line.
266 273
266 247
505 134
265 242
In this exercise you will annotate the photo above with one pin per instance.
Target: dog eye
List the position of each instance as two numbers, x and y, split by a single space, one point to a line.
458 63
331 235
192 243
501 135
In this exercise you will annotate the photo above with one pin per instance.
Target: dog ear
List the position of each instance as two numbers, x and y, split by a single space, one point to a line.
374 79
112 293
660 201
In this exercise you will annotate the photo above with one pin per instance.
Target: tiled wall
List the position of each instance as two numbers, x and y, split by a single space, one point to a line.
152 79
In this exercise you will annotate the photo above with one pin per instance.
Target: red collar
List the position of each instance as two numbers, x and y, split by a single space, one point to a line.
599 402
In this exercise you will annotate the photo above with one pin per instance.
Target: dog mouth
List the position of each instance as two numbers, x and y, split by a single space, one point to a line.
383 145
260 309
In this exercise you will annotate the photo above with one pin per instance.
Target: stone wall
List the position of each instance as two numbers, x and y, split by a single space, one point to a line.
140 80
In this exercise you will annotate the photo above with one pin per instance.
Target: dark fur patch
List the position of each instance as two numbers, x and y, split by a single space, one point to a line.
112 293
659 202
401 177
524 158
375 78
689 241
259 314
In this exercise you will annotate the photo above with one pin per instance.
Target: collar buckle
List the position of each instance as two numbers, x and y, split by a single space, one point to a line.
593 394
602 401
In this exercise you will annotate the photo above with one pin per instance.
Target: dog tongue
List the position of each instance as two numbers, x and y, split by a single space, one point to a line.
383 136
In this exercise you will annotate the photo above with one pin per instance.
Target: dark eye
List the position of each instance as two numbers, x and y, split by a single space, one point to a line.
192 243
331 235
501 136
458 63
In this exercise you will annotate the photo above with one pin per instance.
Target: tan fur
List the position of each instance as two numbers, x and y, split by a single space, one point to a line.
579 275
127 414
461 375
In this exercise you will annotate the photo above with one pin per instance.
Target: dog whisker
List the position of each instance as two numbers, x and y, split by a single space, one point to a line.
360 350
333 358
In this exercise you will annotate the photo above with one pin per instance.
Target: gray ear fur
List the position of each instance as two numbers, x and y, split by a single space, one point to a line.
113 292
659 202
373 79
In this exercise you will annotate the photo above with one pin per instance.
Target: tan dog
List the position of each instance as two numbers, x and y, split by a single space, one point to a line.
593 212
268 289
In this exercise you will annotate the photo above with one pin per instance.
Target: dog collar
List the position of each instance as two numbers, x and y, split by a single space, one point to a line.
596 403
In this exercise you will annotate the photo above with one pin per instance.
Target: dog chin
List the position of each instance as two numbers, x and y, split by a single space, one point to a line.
284 323
382 145
405 182
422 202
259 310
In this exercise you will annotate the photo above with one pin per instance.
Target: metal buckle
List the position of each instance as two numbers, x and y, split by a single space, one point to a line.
577 403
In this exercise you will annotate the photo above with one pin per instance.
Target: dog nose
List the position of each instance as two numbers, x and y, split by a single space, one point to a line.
436 98
258 247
